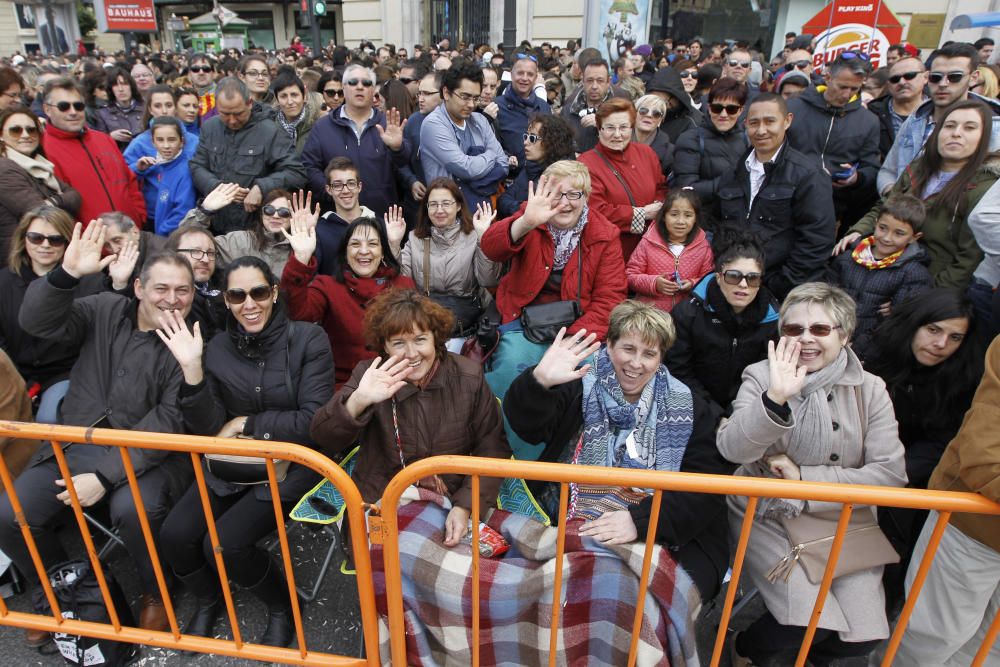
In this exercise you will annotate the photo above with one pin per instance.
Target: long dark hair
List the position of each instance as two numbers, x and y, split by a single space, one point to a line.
692 198
340 261
422 229
112 79
953 197
261 239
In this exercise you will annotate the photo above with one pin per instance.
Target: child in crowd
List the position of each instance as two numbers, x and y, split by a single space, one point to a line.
885 268
673 255
170 174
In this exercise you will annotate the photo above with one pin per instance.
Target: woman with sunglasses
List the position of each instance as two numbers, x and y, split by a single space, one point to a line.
704 154
726 324
27 178
810 412
548 139
122 117
266 377
688 71
265 240
332 90
650 112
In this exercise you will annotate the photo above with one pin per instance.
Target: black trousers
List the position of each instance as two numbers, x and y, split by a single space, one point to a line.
37 490
766 639
241 520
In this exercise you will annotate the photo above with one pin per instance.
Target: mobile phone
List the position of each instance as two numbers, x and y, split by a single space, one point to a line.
677 277
846 173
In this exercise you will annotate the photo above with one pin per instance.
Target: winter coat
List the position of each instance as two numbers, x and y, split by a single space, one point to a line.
175 192
639 167
972 460
259 153
19 193
714 344
15 405
792 217
603 280
329 235
882 109
112 117
517 192
870 288
277 382
90 162
413 172
458 265
335 306
691 525
704 156
654 258
455 413
951 245
332 136
142 146
684 116
512 119
313 104
859 453
664 151
984 221
242 243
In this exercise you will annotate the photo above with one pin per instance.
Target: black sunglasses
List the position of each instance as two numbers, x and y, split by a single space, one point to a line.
689 75
406 80
731 109
953 77
909 76
333 92
367 83
798 64
734 277
818 330
260 294
65 106
55 240
200 69
280 212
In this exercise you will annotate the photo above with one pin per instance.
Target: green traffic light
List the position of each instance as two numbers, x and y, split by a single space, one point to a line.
319 8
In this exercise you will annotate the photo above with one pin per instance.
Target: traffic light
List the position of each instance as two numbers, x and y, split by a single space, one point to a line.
319 8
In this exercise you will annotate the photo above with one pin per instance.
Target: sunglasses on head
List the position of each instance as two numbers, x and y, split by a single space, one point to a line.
66 106
18 130
55 240
260 294
367 83
797 64
855 55
522 56
646 111
279 212
909 76
734 277
333 92
953 77
531 138
817 330
200 69
731 109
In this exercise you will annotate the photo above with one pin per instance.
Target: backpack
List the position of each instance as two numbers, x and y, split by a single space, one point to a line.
79 595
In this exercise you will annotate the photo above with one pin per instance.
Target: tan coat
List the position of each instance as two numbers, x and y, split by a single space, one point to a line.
14 405
240 243
972 460
458 265
855 605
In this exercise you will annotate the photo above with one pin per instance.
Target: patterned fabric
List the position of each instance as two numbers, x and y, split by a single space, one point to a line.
291 126
863 255
600 587
638 225
315 506
567 240
516 498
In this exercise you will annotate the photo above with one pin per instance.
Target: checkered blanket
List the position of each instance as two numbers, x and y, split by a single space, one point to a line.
600 587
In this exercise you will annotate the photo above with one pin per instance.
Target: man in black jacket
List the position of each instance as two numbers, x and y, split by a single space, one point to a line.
782 197
124 378
907 80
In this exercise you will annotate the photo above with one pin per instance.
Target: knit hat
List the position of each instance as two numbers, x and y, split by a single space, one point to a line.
794 76
644 50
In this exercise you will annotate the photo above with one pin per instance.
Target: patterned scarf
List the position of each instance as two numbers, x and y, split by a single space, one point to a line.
566 240
864 256
291 127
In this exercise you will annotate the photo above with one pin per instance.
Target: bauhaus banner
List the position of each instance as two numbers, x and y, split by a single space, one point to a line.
125 15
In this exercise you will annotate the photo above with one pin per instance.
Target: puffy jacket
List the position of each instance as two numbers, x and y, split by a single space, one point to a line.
682 117
603 280
703 156
714 344
653 258
19 193
458 265
112 117
91 163
792 216
870 288
142 146
512 119
954 252
332 136
259 153
639 167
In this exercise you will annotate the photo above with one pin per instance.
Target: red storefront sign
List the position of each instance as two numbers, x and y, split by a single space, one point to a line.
125 15
866 26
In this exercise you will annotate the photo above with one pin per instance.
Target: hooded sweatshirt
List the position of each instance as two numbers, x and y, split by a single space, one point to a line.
682 117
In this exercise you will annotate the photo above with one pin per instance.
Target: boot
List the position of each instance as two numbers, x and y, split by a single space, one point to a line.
272 590
204 583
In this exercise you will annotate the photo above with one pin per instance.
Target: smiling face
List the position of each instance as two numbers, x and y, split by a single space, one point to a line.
766 127
689 79
417 347
441 207
523 76
70 120
892 235
679 220
291 100
250 313
21 134
10 97
568 211
616 131
167 141
817 352
635 362
364 252
725 121
187 108
276 222
44 257
169 287
960 134
741 295
344 186
934 342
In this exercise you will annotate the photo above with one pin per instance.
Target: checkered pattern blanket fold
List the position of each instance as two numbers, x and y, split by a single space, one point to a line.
600 589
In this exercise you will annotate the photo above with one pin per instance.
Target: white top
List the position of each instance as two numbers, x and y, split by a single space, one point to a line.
756 169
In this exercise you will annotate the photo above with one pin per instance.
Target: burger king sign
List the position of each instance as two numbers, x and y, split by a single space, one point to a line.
864 26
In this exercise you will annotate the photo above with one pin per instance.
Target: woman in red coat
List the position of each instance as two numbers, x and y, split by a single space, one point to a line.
628 183
363 269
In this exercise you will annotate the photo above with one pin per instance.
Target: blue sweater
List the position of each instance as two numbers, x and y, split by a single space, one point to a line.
142 146
175 192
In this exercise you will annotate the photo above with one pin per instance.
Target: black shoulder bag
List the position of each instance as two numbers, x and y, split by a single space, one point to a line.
541 323
466 309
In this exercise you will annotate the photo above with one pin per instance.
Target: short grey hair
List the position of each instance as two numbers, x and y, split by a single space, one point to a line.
653 102
118 219
838 303
232 86
369 72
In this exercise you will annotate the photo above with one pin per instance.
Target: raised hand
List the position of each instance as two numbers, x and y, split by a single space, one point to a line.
301 205
186 346
379 383
395 226
222 196
543 202
123 265
483 218
561 362
392 133
302 235
83 254
786 375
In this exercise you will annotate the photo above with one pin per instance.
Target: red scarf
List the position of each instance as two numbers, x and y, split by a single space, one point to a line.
866 243
365 289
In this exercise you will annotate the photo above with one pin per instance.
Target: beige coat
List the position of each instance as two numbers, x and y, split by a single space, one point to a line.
458 265
241 243
855 605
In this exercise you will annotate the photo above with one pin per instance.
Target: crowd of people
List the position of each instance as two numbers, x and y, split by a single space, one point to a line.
689 259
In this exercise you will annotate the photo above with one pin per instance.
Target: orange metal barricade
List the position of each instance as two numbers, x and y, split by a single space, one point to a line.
754 488
195 446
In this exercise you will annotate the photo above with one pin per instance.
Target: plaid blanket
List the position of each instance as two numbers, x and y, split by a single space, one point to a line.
600 587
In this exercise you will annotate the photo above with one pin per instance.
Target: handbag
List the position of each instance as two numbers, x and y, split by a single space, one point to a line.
638 226
541 323
466 309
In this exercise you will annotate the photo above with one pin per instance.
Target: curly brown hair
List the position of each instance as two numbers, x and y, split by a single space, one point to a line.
397 311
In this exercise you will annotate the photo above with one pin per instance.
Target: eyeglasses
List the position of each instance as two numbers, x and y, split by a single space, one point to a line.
427 93
522 56
466 98
197 254
55 240
689 75
744 64
340 186
12 96
619 129
731 109
443 205
818 330
66 106
572 195
200 69
646 111
734 277
405 80
257 74
279 212
17 130
260 294
333 92
531 138
367 83
797 64
909 76
953 77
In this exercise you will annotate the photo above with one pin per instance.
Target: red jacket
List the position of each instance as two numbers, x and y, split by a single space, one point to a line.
640 169
531 264
91 162
337 308
652 258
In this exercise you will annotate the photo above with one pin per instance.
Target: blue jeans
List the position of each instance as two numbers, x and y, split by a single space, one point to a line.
48 408
983 299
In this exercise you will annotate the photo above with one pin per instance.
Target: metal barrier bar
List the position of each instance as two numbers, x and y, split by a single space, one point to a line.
475 570
557 584
647 559
734 580
286 555
984 648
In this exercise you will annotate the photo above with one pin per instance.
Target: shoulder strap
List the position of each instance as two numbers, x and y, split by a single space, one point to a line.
427 266
858 395
289 386
614 171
